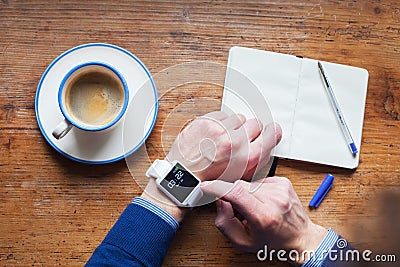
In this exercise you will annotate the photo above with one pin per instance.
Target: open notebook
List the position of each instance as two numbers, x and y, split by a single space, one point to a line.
298 101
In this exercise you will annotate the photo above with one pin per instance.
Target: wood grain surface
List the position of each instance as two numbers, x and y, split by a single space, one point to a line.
54 211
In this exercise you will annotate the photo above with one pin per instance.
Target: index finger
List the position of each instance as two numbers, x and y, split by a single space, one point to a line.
237 194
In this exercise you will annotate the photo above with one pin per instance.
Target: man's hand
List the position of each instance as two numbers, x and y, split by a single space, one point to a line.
273 215
218 146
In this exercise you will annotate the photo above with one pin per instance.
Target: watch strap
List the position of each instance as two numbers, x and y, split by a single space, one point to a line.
159 169
195 198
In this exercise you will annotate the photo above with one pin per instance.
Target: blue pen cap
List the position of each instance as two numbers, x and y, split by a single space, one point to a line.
353 148
322 191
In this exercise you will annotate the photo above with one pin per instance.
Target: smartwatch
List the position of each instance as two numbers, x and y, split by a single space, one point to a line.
176 181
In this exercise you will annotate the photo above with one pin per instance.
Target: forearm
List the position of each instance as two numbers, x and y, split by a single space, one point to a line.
141 236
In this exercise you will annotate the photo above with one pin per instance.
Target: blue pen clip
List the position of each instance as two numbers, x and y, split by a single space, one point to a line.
322 191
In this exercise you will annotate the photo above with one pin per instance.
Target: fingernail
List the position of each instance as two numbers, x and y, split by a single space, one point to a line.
278 132
205 183
218 204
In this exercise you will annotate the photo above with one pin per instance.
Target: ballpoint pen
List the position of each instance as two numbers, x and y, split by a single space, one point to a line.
338 112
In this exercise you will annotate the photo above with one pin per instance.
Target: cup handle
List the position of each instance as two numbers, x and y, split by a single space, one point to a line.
62 129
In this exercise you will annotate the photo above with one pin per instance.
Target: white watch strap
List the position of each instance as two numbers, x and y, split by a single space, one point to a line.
197 195
159 169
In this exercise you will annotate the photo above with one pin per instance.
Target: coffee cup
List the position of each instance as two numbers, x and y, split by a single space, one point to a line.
93 97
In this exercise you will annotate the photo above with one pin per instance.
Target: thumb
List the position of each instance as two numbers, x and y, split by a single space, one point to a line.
260 149
231 226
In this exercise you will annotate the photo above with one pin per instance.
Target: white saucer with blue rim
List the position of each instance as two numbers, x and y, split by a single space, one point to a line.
103 146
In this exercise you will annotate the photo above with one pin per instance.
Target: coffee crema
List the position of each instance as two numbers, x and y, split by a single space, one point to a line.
94 98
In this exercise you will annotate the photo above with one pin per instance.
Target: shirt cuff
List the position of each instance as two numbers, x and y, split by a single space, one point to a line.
157 211
323 249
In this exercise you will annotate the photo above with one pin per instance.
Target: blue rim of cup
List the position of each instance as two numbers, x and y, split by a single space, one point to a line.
133 57
61 102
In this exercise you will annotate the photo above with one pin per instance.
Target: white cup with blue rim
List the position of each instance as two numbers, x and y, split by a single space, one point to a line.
93 96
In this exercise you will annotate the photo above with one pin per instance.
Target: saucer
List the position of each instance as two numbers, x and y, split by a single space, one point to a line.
103 146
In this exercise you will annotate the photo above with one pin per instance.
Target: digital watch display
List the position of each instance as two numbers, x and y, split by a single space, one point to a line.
176 181
179 182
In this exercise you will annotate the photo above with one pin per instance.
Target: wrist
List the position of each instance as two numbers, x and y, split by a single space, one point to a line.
155 195
309 241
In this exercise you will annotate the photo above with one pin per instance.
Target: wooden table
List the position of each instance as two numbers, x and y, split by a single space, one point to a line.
54 211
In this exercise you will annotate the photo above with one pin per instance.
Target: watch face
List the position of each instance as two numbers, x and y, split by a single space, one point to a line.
179 182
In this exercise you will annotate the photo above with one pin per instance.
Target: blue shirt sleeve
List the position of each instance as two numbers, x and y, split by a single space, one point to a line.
140 237
328 252
157 210
143 233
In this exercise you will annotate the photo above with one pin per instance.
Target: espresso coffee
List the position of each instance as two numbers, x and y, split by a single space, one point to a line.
94 98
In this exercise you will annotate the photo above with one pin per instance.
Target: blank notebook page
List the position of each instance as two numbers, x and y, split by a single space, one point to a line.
299 102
